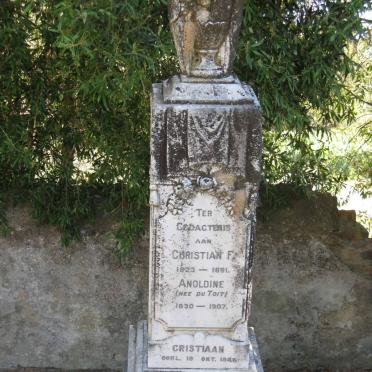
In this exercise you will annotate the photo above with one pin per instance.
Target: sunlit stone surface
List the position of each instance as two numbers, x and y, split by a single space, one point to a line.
205 168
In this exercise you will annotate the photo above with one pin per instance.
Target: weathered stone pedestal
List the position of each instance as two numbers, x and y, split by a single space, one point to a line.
205 171
137 353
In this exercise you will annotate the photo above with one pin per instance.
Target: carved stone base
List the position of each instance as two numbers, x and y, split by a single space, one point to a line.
137 354
182 89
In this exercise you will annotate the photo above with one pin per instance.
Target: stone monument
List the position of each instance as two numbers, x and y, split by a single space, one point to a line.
205 169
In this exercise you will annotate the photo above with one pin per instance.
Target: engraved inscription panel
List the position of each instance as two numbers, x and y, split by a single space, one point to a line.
199 351
201 255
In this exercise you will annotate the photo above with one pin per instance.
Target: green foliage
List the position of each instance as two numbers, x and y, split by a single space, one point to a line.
75 78
301 162
130 230
295 55
351 145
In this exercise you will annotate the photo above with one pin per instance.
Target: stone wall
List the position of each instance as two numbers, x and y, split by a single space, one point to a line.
71 307
312 304
66 307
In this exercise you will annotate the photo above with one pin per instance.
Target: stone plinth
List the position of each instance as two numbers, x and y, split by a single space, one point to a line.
205 171
138 353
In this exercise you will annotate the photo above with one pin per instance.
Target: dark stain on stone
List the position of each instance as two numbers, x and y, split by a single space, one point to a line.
367 255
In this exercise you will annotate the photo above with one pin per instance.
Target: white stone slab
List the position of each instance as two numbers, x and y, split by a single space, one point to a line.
199 350
137 355
200 292
201 268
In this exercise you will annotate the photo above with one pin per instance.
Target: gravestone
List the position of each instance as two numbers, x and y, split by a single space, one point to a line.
205 169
